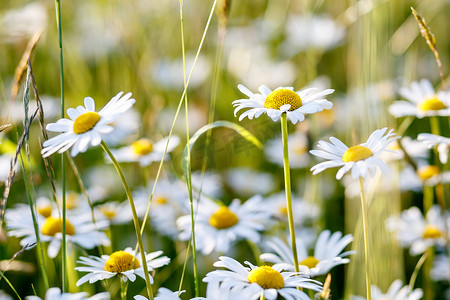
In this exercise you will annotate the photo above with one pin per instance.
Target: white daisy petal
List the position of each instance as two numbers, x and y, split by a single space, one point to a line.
281 100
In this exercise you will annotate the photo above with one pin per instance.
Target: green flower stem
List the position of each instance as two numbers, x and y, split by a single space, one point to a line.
135 218
366 238
419 264
287 185
262 297
434 124
428 291
428 197
61 69
123 290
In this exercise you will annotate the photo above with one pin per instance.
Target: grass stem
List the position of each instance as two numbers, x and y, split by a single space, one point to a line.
61 69
135 218
366 237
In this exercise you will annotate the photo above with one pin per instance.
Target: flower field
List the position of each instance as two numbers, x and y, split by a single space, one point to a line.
224 150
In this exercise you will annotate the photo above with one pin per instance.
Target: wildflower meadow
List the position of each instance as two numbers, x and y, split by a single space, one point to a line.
224 150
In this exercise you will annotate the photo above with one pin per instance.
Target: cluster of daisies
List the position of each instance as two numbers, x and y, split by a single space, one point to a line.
282 270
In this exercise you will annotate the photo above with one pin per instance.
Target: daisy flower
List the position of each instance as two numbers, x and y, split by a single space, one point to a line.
441 268
169 202
145 151
426 175
320 32
282 100
253 281
85 126
327 253
114 212
120 263
419 233
395 292
79 231
423 101
126 129
166 294
305 212
362 159
443 144
54 293
218 226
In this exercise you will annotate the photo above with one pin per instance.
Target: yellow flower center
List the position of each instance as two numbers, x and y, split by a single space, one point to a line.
161 200
428 172
85 122
223 218
283 210
356 153
431 104
431 232
45 210
266 277
54 225
121 261
300 150
280 97
142 147
71 200
109 212
310 262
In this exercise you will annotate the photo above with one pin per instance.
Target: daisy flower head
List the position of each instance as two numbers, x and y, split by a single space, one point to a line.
120 263
54 293
423 101
168 203
397 291
362 159
417 232
217 227
327 253
253 281
85 126
144 151
282 100
443 144
79 230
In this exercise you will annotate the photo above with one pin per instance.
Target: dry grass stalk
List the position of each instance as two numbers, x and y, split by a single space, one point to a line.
431 41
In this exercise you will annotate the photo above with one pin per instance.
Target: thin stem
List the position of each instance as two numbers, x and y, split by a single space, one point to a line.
188 175
428 196
262 297
419 264
123 289
366 238
61 60
178 110
428 292
135 218
83 190
404 125
434 123
28 186
287 186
